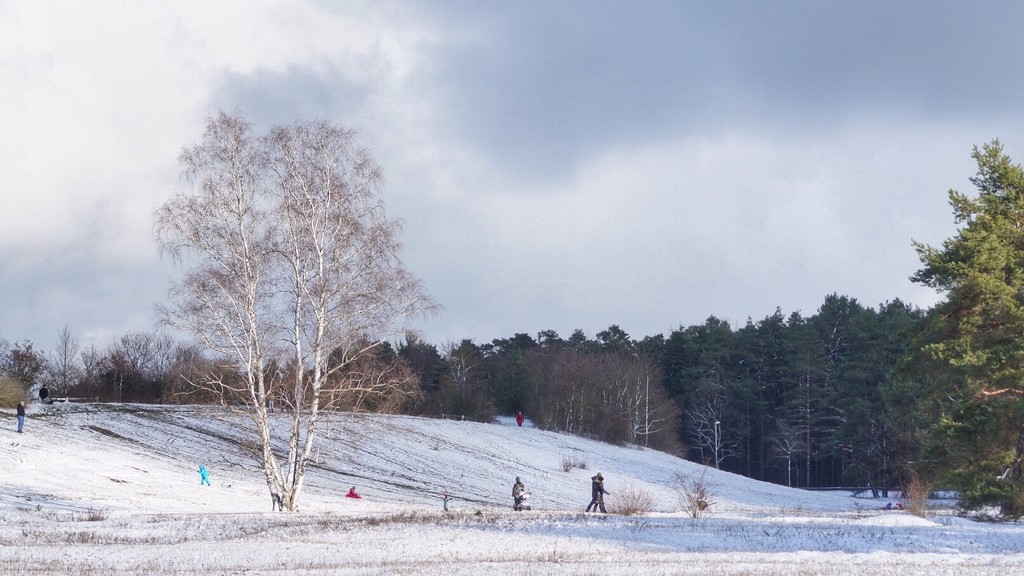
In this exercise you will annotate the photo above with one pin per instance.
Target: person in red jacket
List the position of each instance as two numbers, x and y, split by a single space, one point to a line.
352 493
519 418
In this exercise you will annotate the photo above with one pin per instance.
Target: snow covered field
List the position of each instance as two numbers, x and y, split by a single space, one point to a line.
114 489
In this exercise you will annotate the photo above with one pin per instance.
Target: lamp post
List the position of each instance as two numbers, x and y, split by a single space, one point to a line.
717 427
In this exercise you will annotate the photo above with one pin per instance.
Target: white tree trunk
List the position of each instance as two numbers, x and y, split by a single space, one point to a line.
294 269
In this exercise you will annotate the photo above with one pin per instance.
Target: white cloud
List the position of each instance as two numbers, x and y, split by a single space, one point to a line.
102 96
651 197
732 225
98 98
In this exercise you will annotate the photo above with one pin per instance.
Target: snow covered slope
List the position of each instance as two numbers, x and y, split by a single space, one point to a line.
143 458
113 490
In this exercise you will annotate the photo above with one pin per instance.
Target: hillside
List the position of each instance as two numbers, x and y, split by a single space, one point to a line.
144 459
110 490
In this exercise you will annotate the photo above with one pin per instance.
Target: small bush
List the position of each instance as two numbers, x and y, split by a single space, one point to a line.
630 500
695 493
573 461
11 392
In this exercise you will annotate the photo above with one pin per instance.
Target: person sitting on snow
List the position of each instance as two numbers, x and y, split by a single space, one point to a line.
352 493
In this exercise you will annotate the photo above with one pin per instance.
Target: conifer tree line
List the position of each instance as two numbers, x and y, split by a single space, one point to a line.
852 395
802 401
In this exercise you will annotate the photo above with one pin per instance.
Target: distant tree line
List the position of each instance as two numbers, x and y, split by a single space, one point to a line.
802 401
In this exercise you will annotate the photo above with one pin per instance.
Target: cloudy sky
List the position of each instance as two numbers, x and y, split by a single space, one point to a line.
558 165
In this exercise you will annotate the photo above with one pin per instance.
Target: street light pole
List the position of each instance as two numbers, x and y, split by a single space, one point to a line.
717 425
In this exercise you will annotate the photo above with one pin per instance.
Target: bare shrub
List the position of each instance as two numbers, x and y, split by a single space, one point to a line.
631 500
695 493
97 515
570 461
916 491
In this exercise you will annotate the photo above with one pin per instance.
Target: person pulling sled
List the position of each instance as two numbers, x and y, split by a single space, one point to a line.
519 496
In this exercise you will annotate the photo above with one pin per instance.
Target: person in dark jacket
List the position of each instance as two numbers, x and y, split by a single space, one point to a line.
597 493
518 489
21 415
44 394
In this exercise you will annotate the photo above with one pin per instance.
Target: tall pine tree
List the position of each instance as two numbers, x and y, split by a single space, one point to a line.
976 333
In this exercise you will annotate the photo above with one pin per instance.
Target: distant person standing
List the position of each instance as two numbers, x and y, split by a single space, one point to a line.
520 418
44 394
597 493
21 415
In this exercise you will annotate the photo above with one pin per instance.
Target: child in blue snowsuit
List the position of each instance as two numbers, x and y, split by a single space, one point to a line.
204 476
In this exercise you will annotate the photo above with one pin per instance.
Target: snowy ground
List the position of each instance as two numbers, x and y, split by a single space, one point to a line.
114 489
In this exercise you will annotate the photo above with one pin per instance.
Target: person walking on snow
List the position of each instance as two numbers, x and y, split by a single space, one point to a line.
21 415
520 418
44 395
204 476
597 493
518 489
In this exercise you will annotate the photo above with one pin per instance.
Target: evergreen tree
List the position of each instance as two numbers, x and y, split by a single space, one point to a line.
424 360
977 331
699 363
462 392
804 400
615 339
766 366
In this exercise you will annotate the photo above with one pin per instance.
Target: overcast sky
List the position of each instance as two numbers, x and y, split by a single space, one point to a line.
558 165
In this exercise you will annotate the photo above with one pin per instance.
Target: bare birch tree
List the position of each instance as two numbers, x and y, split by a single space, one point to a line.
65 369
707 431
291 262
635 382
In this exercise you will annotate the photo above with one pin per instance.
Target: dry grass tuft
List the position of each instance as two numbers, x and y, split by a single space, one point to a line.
916 490
11 392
